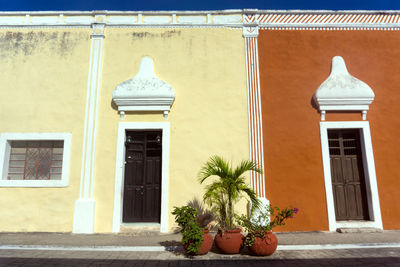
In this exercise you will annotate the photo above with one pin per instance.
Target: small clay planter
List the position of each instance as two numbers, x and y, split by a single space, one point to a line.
266 246
230 241
206 244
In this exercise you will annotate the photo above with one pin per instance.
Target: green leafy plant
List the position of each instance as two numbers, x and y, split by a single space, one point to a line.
259 225
223 193
192 233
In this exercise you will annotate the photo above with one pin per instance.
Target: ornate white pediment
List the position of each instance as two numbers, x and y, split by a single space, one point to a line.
341 91
144 92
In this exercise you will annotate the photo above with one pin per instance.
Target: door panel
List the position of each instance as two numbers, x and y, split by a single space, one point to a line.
142 181
348 181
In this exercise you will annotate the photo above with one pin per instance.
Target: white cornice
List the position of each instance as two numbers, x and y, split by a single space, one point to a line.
201 12
116 12
234 18
297 11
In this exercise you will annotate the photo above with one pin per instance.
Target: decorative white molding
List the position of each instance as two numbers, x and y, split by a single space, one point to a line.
13 20
120 169
324 20
192 19
84 212
227 19
265 19
45 20
341 91
78 20
250 31
250 27
257 180
5 139
157 20
209 18
144 92
122 19
98 26
369 173
343 27
97 30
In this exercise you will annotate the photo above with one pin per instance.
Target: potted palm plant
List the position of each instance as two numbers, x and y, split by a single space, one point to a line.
221 195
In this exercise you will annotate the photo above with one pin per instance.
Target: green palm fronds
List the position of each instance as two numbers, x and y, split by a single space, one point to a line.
221 194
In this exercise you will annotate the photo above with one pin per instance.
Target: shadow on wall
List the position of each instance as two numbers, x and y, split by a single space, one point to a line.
205 216
314 104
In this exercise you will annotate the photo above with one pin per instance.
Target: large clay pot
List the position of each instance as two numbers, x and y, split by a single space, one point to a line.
266 246
230 241
206 244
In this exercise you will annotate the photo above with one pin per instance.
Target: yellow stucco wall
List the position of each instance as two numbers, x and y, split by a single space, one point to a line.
43 73
206 67
43 77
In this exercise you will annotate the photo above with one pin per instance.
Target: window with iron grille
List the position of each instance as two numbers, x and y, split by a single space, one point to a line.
34 159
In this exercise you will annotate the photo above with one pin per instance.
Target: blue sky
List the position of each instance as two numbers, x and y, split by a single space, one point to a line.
136 5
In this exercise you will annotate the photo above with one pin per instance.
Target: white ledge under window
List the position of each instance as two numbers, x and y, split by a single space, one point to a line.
34 159
343 92
144 92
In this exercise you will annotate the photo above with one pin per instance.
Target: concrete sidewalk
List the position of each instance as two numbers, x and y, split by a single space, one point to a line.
173 240
146 249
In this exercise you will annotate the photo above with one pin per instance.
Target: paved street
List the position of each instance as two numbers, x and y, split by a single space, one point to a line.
339 257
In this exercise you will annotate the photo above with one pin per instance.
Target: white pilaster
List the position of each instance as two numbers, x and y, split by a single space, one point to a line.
257 216
250 34
85 206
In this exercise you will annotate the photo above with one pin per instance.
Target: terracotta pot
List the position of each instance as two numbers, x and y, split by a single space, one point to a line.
266 246
205 245
230 242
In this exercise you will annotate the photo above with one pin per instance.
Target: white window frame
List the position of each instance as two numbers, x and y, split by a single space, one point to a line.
120 173
375 220
5 146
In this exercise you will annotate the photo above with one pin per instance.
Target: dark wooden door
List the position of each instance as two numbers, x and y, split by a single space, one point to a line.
142 183
348 180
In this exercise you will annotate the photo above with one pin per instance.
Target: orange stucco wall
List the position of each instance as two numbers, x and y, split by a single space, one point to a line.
292 66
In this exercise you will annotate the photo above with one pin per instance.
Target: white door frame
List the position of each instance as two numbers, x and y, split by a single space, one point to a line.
120 169
369 172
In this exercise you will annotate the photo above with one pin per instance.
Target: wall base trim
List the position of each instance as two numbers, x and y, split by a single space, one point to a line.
84 213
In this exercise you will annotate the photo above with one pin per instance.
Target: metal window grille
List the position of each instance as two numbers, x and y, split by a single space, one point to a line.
343 142
35 160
